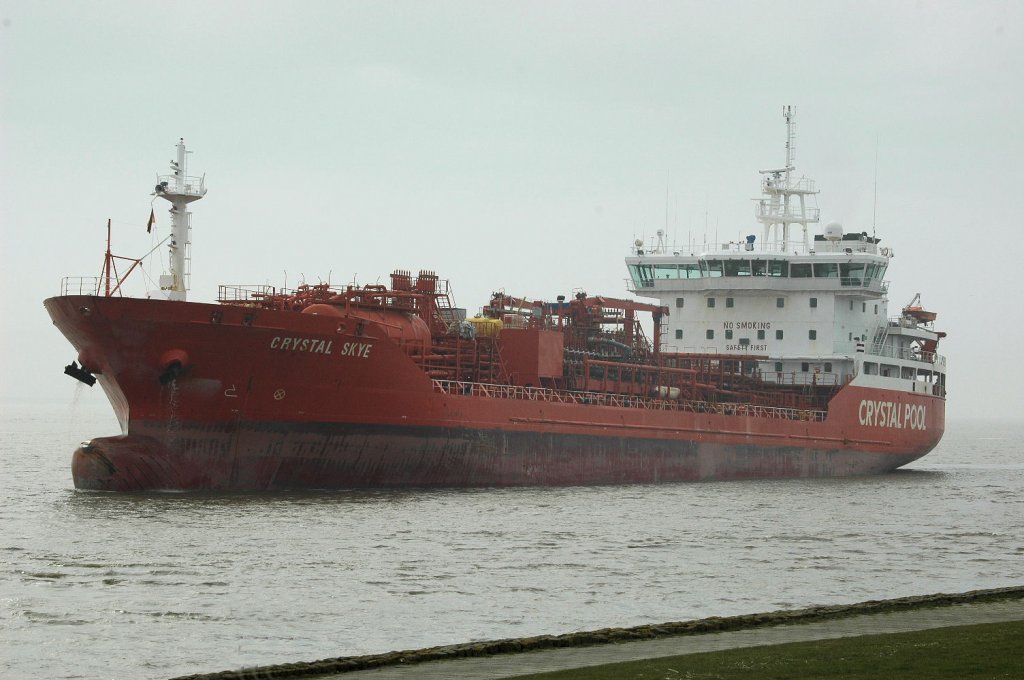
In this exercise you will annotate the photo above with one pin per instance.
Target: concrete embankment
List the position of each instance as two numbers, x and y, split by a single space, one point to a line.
504 658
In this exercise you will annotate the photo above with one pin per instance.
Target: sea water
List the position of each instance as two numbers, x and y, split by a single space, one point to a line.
96 585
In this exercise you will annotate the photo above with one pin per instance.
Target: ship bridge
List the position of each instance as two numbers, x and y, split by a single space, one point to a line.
816 305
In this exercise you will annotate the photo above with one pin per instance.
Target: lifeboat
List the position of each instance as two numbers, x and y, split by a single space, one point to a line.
920 313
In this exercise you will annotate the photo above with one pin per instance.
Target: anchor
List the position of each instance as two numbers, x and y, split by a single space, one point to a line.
80 373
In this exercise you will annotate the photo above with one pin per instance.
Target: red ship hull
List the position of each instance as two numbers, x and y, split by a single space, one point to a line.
280 400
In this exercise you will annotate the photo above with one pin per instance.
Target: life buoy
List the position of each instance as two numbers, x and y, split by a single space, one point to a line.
885 252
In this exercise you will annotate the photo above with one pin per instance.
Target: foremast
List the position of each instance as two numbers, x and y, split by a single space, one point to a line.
179 189
784 200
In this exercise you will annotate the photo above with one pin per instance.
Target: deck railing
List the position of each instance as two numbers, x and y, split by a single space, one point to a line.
80 285
464 388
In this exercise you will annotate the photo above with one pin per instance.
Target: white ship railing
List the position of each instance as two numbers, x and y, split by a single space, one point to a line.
904 353
464 388
80 285
765 209
770 246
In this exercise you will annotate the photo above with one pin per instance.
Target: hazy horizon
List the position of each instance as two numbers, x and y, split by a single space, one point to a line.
509 145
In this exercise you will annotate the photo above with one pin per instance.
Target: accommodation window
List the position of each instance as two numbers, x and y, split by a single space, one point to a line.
760 335
711 302
814 302
778 335
876 310
728 335
851 305
679 334
863 306
710 334
778 367
744 342
679 303
812 335
828 367
805 367
780 302
728 302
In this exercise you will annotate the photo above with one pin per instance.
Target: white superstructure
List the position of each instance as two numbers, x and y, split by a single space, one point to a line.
180 190
798 309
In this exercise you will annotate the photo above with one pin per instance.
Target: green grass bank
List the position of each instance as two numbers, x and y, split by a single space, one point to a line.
988 650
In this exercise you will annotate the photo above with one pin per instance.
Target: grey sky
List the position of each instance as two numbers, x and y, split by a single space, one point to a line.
515 145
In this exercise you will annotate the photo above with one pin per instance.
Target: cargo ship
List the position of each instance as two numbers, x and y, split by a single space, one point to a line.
771 356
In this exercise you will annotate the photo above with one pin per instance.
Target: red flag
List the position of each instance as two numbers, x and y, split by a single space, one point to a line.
152 221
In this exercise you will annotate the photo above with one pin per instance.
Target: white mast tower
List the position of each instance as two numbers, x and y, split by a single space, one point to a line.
777 208
180 190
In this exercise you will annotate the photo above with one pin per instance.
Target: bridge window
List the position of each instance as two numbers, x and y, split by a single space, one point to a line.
875 271
642 274
852 273
778 268
758 267
666 271
826 270
690 270
711 268
800 270
737 267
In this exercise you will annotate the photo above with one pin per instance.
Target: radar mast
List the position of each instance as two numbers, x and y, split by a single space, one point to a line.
784 200
180 190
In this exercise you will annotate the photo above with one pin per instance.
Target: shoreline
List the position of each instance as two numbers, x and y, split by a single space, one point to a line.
596 639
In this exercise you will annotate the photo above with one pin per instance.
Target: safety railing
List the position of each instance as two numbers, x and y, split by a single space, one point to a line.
244 293
904 353
464 388
80 285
